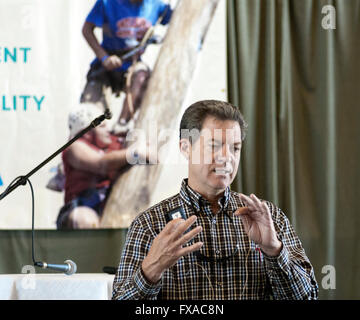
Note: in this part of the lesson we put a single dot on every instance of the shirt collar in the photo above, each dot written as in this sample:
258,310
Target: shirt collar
195,199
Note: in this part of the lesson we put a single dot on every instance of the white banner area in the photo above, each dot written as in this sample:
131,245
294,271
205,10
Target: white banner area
44,60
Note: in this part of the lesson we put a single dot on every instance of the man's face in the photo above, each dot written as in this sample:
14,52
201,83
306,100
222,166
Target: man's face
214,157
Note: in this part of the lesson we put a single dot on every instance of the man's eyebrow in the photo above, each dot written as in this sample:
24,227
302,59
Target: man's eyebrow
220,141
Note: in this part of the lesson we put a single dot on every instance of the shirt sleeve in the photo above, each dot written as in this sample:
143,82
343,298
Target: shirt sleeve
129,282
165,10
290,274
97,14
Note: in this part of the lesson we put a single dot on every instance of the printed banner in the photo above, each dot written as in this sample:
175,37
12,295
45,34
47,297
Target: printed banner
52,86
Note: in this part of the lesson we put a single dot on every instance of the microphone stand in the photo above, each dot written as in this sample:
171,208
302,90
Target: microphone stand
23,179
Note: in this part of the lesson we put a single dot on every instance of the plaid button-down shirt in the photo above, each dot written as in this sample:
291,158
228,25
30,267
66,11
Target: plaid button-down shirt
229,265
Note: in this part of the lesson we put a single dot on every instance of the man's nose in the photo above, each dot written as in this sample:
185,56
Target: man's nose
225,154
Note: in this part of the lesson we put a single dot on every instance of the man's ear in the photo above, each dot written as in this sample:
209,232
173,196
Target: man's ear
185,148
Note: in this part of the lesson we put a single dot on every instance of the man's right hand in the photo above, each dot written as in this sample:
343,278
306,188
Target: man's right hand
167,248
112,62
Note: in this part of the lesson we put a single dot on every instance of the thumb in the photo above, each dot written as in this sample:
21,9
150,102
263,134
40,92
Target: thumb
241,211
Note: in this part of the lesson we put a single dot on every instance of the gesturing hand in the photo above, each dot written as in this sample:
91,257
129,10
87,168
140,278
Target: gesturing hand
259,225
167,248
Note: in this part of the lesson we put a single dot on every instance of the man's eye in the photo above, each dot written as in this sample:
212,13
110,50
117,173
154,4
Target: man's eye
235,149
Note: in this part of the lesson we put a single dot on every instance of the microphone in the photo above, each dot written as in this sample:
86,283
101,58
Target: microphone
69,267
107,113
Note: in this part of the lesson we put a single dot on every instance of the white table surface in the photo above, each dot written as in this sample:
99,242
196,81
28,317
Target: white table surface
81,286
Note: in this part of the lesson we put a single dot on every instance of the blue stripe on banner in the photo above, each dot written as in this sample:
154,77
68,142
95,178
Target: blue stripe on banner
1,182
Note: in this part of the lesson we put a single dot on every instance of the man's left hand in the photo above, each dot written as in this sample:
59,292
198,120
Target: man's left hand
259,225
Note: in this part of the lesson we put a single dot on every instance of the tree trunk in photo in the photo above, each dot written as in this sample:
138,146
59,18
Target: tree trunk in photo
173,71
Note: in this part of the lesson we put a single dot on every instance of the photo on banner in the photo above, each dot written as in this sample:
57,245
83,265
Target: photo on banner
63,64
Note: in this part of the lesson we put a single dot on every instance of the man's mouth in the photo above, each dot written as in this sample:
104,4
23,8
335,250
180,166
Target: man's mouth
222,171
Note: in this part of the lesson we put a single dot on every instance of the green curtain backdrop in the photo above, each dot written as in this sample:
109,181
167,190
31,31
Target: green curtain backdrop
298,87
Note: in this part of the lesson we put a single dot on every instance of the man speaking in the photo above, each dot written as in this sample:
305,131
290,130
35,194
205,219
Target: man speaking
208,242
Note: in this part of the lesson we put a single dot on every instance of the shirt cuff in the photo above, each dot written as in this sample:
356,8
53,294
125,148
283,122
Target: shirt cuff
145,287
280,261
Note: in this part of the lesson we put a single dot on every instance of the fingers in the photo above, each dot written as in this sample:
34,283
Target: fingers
188,236
176,228
253,202
181,226
248,201
172,238
261,205
172,225
186,250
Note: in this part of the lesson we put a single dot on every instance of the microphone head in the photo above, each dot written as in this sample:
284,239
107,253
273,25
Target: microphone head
107,114
72,267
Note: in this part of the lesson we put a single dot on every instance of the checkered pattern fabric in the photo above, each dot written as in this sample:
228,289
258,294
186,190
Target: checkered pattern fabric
228,266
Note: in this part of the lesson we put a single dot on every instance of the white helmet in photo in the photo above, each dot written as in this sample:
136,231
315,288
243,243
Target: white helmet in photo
81,116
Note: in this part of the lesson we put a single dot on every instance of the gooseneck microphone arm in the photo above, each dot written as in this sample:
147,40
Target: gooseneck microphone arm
69,267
